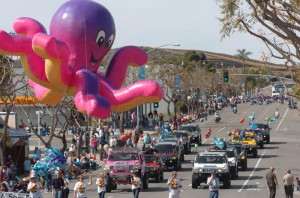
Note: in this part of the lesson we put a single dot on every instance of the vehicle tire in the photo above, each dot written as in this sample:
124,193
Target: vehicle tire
199,140
227,183
145,181
261,145
268,140
182,158
195,183
108,185
255,154
244,166
162,176
157,178
233,176
175,167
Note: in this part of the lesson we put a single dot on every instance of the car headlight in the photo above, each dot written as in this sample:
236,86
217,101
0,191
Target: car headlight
106,167
174,158
136,167
222,170
243,157
189,136
198,170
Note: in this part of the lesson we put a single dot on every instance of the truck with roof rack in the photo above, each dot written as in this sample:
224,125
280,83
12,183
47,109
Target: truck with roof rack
121,163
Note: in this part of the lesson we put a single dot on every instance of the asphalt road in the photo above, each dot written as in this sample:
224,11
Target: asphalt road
282,152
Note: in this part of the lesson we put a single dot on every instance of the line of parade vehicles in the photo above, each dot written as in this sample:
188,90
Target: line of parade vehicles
225,158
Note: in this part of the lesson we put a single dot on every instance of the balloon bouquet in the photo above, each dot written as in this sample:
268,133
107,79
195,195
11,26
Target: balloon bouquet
52,161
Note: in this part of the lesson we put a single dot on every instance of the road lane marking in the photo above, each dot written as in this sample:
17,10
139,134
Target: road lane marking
282,119
221,130
253,171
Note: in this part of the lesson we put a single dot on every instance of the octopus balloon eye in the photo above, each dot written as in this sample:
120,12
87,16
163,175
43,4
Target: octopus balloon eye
100,38
110,41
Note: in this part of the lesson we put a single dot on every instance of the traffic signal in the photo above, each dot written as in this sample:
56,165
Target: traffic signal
225,75
156,105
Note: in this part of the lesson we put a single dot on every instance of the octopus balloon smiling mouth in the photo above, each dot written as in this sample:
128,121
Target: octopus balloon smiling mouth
48,60
94,62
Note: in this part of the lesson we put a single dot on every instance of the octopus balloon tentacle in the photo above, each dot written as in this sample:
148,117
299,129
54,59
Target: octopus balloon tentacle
66,61
118,65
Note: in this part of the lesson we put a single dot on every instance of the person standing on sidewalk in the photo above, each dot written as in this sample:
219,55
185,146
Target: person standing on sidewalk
174,184
272,182
57,185
288,181
213,183
136,185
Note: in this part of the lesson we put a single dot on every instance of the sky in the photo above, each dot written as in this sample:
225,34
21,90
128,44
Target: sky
192,23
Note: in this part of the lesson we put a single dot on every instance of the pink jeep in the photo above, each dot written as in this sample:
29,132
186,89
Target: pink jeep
121,163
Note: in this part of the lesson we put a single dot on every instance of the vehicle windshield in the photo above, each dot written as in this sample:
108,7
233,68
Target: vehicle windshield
230,153
150,158
211,159
123,156
165,148
238,149
177,135
189,128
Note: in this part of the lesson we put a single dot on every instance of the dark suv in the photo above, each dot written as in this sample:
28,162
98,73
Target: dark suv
183,137
194,133
242,154
265,130
170,154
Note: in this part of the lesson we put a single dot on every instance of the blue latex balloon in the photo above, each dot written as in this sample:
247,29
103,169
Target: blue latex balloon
272,120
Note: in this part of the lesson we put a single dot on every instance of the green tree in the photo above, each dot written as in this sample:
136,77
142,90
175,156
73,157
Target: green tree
275,23
243,55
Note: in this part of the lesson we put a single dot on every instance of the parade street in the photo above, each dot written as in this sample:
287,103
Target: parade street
282,153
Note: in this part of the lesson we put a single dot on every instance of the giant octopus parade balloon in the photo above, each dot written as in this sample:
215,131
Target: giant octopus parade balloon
66,61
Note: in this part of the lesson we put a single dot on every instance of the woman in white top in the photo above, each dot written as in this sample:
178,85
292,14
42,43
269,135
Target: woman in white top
136,185
80,187
101,183
34,188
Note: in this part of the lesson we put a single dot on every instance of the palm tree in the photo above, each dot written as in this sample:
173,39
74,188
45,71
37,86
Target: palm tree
243,55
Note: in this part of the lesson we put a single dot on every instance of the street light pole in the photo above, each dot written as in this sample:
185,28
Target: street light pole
153,49
38,123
